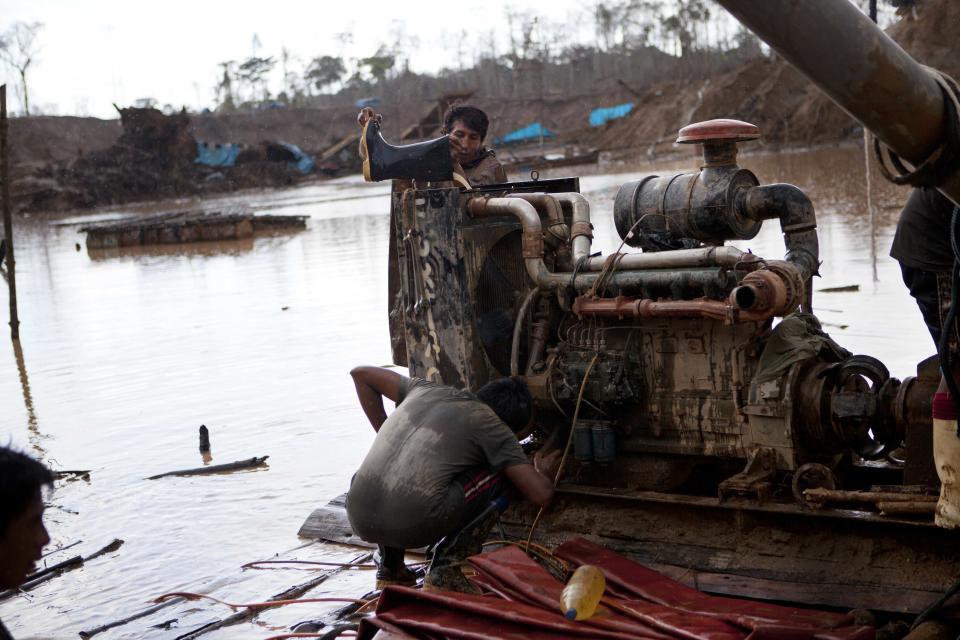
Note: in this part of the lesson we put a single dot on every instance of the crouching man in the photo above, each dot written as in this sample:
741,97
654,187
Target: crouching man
436,465
22,533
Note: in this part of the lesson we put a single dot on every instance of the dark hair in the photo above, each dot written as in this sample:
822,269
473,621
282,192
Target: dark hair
471,116
21,478
510,399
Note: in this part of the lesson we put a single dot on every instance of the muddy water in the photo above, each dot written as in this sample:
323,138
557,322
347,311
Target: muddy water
126,353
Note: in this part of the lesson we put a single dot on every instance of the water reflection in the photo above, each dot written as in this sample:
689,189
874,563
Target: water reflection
192,249
36,438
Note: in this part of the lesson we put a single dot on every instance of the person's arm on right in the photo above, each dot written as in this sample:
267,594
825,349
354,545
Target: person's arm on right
373,384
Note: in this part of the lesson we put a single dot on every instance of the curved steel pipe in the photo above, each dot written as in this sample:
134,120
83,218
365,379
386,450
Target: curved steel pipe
557,226
798,221
517,330
581,231
717,278
860,68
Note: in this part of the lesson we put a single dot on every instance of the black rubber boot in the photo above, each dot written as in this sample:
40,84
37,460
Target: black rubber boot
445,572
391,569
428,161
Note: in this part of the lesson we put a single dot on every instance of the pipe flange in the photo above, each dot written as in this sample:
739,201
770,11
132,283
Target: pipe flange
793,282
581,228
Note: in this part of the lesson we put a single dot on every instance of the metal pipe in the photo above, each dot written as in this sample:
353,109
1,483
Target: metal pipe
860,68
581,232
517,329
715,278
557,226
798,221
621,307
725,256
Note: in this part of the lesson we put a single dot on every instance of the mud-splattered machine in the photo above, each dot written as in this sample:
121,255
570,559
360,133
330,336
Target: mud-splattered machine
707,436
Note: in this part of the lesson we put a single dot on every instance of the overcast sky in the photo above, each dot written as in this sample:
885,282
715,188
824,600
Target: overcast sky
97,52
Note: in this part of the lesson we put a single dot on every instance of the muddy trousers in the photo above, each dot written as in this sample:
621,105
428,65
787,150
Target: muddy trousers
485,496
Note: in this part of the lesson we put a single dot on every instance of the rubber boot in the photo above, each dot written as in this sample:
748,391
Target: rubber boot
427,161
445,573
391,569
946,457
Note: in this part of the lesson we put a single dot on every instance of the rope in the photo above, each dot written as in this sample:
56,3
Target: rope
611,266
560,566
251,605
566,449
932,171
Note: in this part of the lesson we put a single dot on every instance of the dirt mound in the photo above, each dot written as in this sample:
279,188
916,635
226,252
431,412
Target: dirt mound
929,34
152,158
774,96
41,139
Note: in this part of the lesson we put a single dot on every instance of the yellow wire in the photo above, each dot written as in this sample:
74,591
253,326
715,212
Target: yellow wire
566,449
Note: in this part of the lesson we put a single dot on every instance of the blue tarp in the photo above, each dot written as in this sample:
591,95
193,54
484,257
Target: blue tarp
217,155
303,162
601,116
530,132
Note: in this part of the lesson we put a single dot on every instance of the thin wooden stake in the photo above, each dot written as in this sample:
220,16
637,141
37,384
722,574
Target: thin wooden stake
7,220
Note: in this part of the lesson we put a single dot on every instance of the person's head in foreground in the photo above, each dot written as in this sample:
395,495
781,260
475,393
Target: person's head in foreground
467,128
510,399
22,534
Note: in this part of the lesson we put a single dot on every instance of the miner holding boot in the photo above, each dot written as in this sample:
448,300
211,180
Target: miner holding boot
440,470
458,156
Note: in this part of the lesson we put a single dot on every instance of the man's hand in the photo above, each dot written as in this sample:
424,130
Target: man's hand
547,463
368,114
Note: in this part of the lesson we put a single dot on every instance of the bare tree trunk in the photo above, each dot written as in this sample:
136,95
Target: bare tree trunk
26,99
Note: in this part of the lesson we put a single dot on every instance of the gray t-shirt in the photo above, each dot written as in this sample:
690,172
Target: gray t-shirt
405,494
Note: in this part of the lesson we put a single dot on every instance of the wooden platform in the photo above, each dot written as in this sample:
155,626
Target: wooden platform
780,552
184,227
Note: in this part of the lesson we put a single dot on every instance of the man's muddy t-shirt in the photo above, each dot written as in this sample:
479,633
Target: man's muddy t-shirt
405,494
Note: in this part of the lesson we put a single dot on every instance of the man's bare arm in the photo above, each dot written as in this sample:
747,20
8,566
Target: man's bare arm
373,384
535,481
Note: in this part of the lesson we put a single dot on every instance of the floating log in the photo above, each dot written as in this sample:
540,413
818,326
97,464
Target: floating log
71,473
290,594
175,228
60,568
136,616
841,289
239,465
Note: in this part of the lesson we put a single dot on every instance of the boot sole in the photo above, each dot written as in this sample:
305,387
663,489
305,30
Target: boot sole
386,583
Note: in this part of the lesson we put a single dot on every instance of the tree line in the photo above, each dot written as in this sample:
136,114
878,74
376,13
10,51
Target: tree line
633,44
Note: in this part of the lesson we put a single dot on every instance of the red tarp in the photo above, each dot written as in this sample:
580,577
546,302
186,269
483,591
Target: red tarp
640,603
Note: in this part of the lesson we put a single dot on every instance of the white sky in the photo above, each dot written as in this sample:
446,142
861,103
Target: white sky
97,52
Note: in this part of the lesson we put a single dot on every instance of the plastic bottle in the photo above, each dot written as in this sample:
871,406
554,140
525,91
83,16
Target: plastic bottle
582,594
946,457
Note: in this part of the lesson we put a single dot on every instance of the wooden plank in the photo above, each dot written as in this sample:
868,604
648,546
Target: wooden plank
330,523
